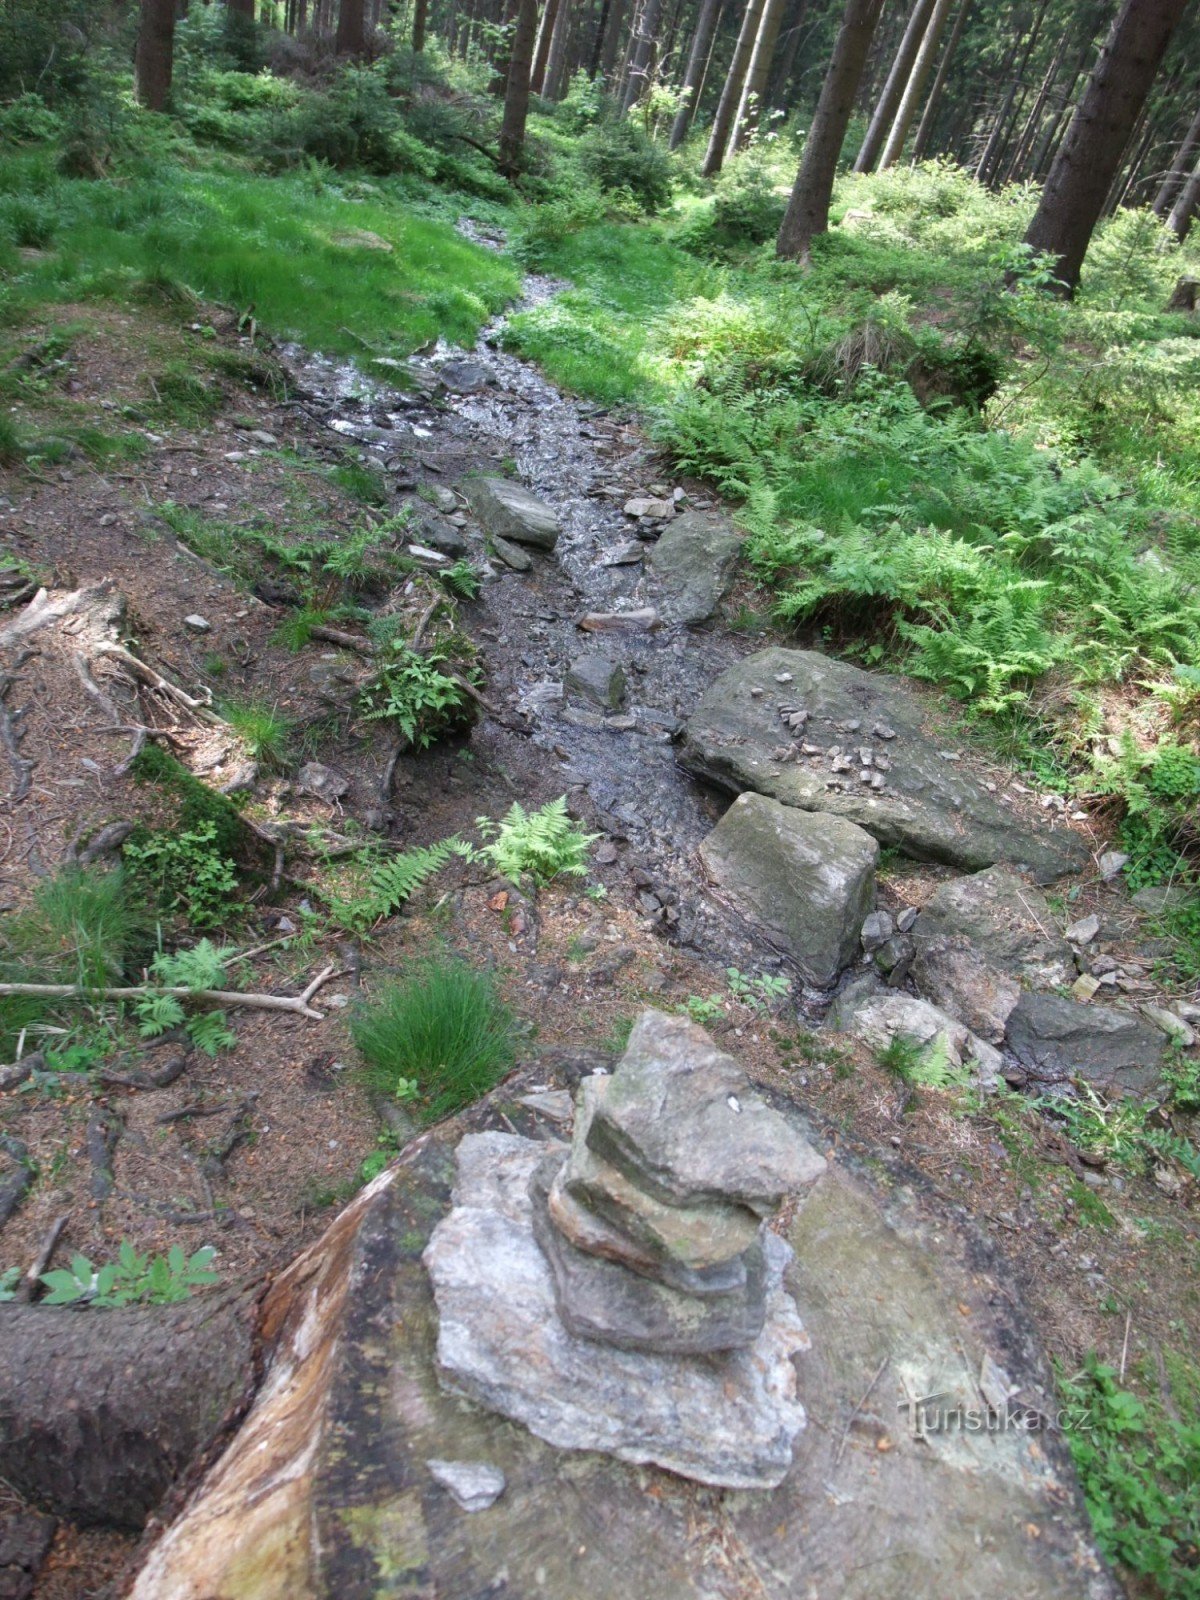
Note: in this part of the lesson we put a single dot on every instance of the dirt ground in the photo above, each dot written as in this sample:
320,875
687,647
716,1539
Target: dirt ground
1105,1261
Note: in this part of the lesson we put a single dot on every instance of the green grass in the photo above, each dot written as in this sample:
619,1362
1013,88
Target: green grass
279,245
264,729
442,1028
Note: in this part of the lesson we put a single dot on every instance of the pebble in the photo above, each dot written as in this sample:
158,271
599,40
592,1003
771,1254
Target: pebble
1110,863
1085,930
197,623
906,918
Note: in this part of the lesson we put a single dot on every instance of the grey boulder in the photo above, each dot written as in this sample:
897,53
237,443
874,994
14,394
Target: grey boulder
598,678
1056,1039
911,797
512,512
806,879
695,561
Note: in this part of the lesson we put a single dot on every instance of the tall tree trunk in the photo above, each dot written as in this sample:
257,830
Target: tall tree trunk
750,107
925,129
516,94
641,53
1092,149
1177,176
731,94
420,22
351,39
1185,208
807,214
915,87
885,112
155,55
241,8
1007,127
556,61
1048,144
785,60
597,50
1034,120
610,47
991,149
541,54
693,73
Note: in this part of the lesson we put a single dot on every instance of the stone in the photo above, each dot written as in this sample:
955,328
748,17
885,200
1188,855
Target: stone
955,975
474,1485
906,919
648,506
640,621
597,678
695,560
1111,863
465,377
434,528
806,879
1056,1039
877,929
931,809
325,783
894,958
680,1119
513,557
197,623
513,512
726,1419
602,1300
1176,1029
1083,931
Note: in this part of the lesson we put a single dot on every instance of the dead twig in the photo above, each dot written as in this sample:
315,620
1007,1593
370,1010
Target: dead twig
162,1078
865,1396
299,1004
29,1282
199,708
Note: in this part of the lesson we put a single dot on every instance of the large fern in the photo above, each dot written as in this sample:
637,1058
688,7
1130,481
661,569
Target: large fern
544,843
394,881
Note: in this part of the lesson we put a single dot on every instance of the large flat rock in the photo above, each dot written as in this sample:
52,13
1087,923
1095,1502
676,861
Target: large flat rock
805,878
326,1492
752,726
1056,1039
509,511
694,560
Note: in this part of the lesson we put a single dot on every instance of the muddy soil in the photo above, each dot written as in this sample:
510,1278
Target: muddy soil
1086,1247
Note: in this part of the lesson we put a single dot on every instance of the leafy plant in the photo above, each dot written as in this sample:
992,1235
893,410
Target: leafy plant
707,1010
761,991
186,872
443,1028
927,1066
545,843
393,881
198,969
409,692
131,1279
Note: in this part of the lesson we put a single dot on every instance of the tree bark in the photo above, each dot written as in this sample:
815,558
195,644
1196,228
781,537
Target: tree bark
556,61
351,38
610,47
641,53
731,94
1176,178
420,22
241,8
1090,153
789,48
155,54
915,87
925,129
750,107
541,54
807,214
516,94
1184,209
100,1411
693,73
885,112
1034,120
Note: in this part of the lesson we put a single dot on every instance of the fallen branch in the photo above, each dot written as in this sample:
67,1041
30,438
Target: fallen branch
9,737
218,997
28,1285
104,1131
163,1078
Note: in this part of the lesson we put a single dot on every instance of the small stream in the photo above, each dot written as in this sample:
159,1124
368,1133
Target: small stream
585,464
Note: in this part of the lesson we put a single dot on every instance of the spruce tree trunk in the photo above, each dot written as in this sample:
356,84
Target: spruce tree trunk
693,73
1091,152
915,87
808,210
100,1411
516,94
1034,120
750,107
610,47
731,94
155,55
241,8
351,38
556,61
420,21
641,53
928,117
1176,178
1185,208
885,112
785,60
541,53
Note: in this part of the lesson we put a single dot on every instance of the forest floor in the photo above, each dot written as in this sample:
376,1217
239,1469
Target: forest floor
251,1151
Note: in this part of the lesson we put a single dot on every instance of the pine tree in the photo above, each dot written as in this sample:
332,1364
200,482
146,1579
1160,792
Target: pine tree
154,58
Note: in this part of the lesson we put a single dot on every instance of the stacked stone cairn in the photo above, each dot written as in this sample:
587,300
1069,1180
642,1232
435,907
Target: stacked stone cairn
653,1225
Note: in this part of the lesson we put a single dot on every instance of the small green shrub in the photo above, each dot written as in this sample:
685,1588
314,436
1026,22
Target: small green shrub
409,692
264,729
545,843
131,1279
185,872
619,156
443,1027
